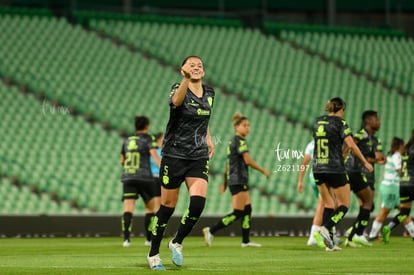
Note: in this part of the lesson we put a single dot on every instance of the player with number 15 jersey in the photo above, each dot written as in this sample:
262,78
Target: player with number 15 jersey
329,135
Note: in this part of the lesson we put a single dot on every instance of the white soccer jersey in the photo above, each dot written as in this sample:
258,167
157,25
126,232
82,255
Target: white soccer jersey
310,148
391,175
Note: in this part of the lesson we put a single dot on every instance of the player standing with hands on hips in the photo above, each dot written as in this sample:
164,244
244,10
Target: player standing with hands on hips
185,156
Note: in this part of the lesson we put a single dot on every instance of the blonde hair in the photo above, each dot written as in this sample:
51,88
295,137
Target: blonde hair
237,118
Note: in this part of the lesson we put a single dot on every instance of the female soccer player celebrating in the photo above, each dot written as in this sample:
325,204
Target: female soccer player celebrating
185,155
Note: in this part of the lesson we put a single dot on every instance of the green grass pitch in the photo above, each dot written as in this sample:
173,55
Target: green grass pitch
278,255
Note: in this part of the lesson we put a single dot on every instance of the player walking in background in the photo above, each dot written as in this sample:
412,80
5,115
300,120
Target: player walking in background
330,132
185,156
390,185
137,178
406,193
363,182
318,216
236,178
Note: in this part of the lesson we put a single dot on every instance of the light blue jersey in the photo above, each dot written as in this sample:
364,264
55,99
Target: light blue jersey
155,170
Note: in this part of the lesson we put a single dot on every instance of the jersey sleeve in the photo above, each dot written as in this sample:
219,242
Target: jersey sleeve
242,147
378,145
154,144
397,161
172,92
345,130
359,135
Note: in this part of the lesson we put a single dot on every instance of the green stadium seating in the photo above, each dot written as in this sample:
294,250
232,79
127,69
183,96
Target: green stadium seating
384,58
279,87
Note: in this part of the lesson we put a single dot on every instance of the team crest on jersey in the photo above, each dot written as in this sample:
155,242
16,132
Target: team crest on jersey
210,101
321,131
132,145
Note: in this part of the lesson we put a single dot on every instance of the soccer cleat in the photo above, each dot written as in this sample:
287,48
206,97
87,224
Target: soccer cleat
155,262
386,232
319,240
250,244
147,243
348,232
177,253
349,243
361,240
323,238
126,243
208,237
335,248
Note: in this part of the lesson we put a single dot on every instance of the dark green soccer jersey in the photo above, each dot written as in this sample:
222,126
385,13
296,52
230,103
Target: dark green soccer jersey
237,170
368,145
329,133
185,136
407,170
136,150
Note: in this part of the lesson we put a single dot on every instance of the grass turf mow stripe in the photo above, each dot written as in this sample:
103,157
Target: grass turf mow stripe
278,255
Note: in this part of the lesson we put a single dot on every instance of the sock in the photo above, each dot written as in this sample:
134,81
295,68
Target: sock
126,224
190,218
159,224
336,217
404,212
226,220
376,227
147,225
245,223
327,213
362,223
314,229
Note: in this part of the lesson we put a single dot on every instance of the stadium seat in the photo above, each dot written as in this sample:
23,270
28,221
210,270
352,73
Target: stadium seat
96,77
